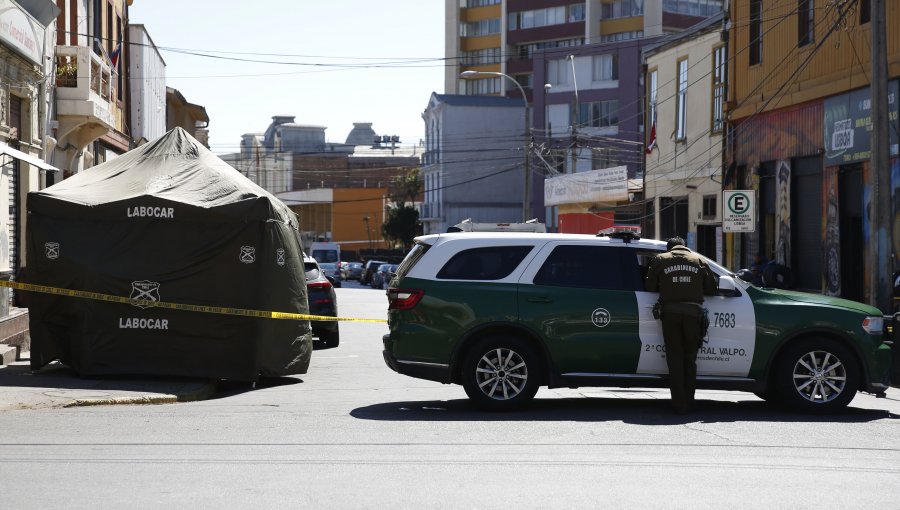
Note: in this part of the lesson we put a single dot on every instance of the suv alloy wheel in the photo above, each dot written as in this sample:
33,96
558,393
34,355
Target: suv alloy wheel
817,375
501,373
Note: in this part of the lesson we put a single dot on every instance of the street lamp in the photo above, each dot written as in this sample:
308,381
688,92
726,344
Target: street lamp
526,203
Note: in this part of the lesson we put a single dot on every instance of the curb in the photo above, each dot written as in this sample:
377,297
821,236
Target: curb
203,393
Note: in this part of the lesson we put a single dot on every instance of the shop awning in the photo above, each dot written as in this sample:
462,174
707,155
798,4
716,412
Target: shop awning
31,160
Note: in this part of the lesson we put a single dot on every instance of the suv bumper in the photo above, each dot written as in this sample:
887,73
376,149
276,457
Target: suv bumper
430,371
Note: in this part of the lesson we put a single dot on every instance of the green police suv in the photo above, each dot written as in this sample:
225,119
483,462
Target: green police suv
505,313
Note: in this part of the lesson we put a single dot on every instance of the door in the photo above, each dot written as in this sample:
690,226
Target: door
581,299
852,240
727,350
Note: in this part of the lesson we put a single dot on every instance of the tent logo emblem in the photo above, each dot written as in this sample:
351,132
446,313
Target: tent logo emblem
51,250
279,256
145,291
248,254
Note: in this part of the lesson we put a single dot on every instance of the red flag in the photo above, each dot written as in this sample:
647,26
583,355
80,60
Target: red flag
114,57
652,143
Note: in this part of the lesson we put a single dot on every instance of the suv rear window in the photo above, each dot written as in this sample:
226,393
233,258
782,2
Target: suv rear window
411,258
491,263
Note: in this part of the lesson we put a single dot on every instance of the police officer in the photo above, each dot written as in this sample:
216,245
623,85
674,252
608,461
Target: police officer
682,278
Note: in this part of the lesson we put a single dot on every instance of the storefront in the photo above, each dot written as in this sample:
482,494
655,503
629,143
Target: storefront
809,167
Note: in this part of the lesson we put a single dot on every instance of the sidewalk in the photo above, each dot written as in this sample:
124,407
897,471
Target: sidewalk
58,386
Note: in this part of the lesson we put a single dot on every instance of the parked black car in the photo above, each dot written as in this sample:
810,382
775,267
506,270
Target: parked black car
369,271
383,276
322,301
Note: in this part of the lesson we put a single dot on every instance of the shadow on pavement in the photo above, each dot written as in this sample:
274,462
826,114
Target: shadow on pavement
57,375
232,388
640,412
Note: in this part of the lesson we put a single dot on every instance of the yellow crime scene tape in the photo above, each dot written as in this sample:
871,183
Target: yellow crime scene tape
243,312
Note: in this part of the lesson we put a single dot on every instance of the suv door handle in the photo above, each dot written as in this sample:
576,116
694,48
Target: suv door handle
540,299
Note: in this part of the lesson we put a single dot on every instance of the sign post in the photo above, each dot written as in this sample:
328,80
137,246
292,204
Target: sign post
738,211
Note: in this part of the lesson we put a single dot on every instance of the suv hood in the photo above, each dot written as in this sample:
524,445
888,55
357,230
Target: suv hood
819,299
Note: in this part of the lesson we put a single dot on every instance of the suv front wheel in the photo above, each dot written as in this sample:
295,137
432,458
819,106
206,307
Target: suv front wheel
501,373
817,375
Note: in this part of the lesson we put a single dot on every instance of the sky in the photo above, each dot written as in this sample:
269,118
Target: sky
330,62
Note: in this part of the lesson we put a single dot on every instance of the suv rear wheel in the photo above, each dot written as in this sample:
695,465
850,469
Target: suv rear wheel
501,373
818,375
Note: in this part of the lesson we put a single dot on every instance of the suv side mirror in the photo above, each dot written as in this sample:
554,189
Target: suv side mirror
727,286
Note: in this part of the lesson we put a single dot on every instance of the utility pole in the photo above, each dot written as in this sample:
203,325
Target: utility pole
881,246
574,119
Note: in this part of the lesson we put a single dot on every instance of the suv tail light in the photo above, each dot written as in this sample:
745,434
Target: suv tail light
319,285
404,299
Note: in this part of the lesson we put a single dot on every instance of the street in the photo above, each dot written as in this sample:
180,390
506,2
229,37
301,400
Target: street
353,434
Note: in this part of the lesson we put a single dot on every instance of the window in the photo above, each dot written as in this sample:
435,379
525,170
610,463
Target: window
703,8
592,267
606,67
755,32
526,50
538,18
477,3
622,36
622,9
480,27
599,113
525,80
651,95
492,263
806,15
681,100
865,11
559,72
602,157
484,56
710,207
576,13
718,75
480,87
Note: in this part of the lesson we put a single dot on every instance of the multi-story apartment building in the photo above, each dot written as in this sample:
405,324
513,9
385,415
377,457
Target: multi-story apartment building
800,104
685,98
91,85
503,35
578,64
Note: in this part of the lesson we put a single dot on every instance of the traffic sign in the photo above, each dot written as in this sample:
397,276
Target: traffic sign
739,211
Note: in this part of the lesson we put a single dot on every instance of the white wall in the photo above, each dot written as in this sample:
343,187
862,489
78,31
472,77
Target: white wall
148,85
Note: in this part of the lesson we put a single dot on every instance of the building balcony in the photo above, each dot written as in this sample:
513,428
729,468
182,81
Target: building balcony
83,89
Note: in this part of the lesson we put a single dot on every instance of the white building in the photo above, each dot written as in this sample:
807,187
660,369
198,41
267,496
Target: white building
148,86
473,166
685,84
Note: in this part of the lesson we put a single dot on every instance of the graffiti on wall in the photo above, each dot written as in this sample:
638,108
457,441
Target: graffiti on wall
783,212
832,232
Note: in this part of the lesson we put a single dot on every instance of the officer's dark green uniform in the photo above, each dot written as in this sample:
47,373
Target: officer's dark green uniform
682,278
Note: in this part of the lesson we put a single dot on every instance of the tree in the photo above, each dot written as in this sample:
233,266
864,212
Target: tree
401,222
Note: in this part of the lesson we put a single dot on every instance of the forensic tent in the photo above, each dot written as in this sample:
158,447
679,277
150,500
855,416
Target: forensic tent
167,222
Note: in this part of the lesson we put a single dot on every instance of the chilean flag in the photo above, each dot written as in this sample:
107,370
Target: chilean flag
114,57
652,143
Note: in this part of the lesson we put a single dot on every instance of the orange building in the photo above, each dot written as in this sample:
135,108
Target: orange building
351,217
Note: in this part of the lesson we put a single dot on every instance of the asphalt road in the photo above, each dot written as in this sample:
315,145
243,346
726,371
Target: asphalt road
353,434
